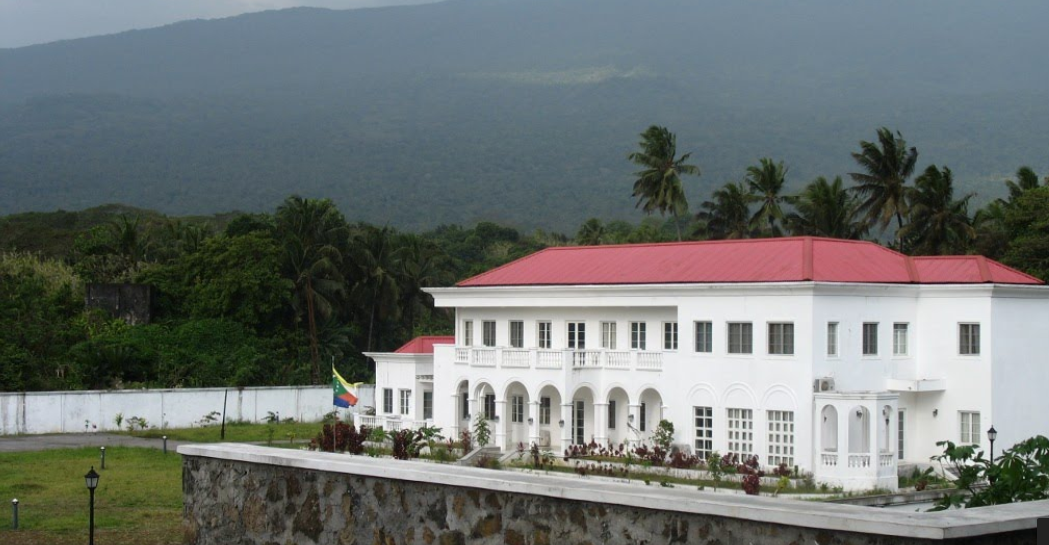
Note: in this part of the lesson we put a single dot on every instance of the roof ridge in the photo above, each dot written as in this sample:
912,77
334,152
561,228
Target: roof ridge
716,241
504,265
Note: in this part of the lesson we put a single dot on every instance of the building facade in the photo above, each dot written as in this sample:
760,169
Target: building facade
840,357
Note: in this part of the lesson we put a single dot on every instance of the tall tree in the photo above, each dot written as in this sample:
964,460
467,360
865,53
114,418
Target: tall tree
658,185
939,224
825,209
727,214
1025,179
311,234
766,181
882,184
590,233
376,260
421,266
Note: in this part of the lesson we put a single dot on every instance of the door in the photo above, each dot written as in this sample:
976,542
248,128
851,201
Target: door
580,420
577,342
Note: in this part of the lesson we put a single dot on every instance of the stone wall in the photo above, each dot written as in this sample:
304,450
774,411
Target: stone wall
242,494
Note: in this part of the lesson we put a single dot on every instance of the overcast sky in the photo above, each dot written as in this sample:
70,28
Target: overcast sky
26,22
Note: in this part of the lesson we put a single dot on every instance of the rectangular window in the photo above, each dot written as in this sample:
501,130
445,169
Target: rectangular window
545,341
488,333
781,438
608,335
832,338
544,411
468,333
704,425
406,399
781,339
899,339
704,337
637,335
517,409
969,339
427,405
870,339
489,406
741,432
899,434
669,335
611,414
577,335
971,429
387,401
740,338
516,334
465,406
643,413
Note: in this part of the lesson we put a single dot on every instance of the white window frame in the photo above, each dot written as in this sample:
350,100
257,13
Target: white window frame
516,334
611,414
517,409
544,334
387,400
544,411
968,343
744,343
740,432
783,343
638,335
488,403
575,331
703,430
468,332
866,345
405,405
901,419
832,339
488,333
901,342
704,337
670,336
970,429
427,404
780,427
608,335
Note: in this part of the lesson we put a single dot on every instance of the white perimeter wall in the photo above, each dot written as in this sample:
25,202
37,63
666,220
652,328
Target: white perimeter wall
96,410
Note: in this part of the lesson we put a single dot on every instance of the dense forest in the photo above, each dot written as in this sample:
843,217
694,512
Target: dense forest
274,298
517,112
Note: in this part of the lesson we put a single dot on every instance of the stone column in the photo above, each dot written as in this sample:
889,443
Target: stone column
457,416
566,429
502,420
533,423
601,423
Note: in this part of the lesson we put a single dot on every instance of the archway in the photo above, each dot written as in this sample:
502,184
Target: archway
859,430
516,417
650,412
829,429
550,418
618,409
582,424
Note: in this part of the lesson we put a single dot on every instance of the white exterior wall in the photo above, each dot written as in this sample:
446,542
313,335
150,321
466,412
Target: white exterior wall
399,372
930,384
68,412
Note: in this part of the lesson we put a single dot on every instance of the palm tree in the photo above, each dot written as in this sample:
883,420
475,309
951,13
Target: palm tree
658,185
939,225
766,181
311,232
727,214
825,209
886,166
1025,179
421,266
590,233
375,258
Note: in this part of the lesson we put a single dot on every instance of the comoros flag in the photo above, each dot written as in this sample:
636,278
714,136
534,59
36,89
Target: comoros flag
344,393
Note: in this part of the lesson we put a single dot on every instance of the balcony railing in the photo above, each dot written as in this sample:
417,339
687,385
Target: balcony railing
886,460
829,460
859,460
522,358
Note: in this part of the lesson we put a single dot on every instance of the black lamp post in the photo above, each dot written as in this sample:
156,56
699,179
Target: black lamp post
992,434
91,480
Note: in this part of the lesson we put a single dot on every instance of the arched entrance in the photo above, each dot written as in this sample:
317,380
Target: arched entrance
618,409
516,419
650,412
582,424
550,418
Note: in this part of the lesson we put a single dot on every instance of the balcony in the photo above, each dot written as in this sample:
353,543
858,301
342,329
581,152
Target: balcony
524,358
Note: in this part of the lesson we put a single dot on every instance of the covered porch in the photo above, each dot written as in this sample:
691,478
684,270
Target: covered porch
855,439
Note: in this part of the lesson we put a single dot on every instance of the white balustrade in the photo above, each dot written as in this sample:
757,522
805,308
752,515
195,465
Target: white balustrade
885,460
462,355
549,359
484,357
829,460
859,460
515,358
617,360
586,358
650,360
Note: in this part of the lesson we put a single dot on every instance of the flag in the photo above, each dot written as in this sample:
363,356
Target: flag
344,393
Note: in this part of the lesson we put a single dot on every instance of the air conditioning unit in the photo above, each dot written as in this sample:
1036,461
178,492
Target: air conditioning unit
823,385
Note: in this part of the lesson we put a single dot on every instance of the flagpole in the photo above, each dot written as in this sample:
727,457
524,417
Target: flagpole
336,423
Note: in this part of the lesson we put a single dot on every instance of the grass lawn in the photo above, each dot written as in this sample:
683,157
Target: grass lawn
138,500
239,432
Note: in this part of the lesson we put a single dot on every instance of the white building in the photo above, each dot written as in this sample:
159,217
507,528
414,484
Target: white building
840,357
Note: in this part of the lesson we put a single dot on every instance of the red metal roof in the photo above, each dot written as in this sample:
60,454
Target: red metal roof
789,259
423,345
